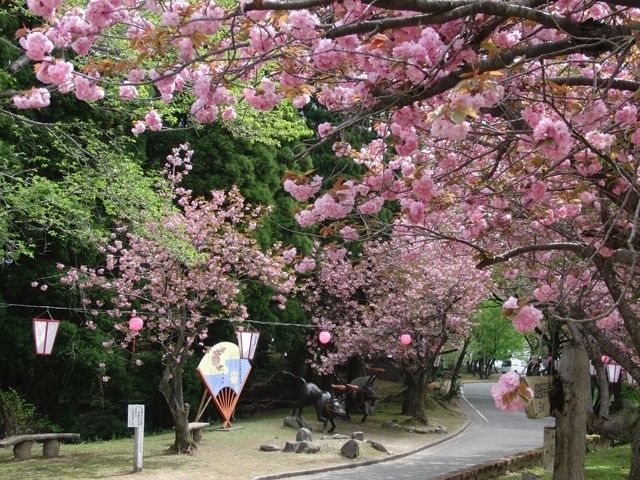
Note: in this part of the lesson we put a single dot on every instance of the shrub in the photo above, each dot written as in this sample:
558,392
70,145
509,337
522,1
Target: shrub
17,416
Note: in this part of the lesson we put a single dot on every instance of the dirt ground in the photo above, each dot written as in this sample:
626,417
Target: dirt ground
235,455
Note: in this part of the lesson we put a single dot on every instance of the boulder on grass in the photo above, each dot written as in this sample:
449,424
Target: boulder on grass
351,449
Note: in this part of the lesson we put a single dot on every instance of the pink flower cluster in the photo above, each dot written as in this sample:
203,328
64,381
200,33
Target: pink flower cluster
303,191
527,318
306,265
508,393
44,8
35,98
555,137
36,45
264,98
301,25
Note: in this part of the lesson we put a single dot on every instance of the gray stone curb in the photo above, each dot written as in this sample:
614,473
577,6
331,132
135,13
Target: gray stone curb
495,468
366,462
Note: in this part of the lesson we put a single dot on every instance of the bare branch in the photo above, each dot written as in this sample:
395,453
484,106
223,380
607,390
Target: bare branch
574,247
616,84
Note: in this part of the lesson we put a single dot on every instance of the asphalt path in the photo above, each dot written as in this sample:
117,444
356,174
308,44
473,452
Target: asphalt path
491,434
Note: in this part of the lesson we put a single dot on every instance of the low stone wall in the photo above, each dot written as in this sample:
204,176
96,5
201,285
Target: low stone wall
497,467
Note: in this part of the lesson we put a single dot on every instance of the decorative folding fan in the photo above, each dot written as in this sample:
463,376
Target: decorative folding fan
224,373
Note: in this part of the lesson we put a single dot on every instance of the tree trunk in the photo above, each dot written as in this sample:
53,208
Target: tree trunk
355,368
634,472
571,414
171,388
453,387
415,396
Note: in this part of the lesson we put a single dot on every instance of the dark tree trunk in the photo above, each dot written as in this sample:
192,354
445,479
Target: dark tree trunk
171,388
634,472
571,414
415,396
355,368
453,387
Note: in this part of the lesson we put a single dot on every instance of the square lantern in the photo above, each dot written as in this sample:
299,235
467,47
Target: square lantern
630,379
613,372
44,331
247,343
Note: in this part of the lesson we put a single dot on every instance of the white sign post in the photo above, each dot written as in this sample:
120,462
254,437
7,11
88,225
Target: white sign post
135,419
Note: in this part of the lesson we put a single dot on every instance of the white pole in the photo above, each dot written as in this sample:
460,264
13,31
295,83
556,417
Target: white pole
138,444
135,419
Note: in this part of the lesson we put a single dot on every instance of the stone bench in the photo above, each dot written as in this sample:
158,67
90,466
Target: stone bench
50,443
195,429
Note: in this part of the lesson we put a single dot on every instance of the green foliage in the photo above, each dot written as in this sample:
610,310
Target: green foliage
18,416
493,336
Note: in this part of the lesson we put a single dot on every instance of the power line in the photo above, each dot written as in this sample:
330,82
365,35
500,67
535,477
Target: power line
81,309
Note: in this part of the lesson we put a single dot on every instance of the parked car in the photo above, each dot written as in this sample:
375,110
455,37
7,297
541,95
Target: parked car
513,365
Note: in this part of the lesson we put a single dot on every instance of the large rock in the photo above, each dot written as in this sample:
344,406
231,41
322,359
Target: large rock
393,424
303,435
312,448
530,476
296,422
290,447
378,446
269,448
302,446
351,449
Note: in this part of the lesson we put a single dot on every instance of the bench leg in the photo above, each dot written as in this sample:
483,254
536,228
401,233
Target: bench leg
197,435
22,450
51,448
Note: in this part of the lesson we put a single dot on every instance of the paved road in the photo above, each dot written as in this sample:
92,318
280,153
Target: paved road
492,434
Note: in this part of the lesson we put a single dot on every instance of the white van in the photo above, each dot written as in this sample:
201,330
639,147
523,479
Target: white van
513,365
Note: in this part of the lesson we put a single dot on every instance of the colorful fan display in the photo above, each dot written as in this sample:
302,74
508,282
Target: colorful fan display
224,373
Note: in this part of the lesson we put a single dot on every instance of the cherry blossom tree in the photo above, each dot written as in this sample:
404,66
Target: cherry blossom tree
401,286
185,273
507,126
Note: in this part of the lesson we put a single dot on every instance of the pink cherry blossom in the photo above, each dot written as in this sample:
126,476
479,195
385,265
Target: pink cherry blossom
37,46
306,265
35,98
153,121
527,318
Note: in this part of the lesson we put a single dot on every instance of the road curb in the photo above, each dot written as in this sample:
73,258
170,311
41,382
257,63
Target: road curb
365,463
495,468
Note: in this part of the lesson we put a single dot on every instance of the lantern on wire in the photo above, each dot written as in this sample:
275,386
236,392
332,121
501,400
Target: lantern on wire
613,372
247,342
324,337
135,325
405,339
44,333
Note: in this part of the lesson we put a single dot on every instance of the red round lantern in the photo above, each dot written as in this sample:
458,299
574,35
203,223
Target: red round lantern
405,339
324,337
135,324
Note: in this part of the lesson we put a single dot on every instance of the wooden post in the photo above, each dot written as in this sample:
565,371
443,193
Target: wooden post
571,415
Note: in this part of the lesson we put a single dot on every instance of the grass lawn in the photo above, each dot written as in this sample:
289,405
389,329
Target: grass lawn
608,464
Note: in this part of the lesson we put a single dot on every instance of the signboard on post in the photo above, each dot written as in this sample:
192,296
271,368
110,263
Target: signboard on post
135,419
540,405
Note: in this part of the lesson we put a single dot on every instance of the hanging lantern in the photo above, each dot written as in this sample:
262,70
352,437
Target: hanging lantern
324,337
44,332
613,372
405,339
247,342
630,379
135,324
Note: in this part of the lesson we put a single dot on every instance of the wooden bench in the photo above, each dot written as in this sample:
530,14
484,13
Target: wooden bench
195,429
51,443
